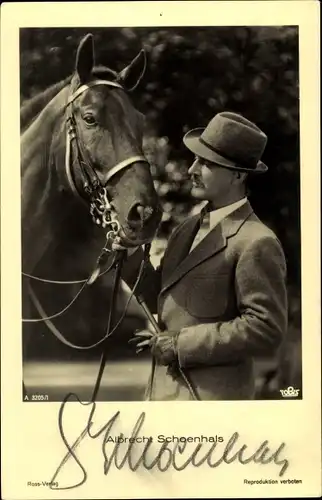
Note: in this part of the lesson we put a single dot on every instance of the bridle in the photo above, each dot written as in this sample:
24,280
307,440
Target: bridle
95,196
93,192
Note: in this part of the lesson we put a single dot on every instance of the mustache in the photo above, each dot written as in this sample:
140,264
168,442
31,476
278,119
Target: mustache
196,178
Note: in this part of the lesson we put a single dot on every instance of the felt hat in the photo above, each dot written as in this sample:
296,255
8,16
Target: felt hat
230,141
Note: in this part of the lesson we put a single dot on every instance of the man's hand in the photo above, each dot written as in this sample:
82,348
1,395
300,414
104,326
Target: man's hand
162,346
143,339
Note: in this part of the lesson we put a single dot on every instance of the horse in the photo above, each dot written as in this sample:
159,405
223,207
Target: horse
84,179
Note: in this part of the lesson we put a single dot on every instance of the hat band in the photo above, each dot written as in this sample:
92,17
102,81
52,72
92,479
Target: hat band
227,157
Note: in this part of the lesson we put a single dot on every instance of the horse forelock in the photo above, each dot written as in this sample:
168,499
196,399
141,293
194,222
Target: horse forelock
104,72
99,72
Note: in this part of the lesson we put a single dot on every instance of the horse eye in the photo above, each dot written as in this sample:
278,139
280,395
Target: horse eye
89,119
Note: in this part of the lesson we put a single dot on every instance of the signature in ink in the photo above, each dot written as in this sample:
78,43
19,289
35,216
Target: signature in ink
165,457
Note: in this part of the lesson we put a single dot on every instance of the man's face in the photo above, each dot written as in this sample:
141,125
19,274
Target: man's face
209,181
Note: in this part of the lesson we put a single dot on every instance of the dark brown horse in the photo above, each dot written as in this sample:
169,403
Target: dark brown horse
81,142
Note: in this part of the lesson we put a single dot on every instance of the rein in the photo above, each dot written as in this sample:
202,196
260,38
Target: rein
47,319
100,209
92,191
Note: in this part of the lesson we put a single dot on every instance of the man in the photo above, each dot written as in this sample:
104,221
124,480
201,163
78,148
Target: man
220,301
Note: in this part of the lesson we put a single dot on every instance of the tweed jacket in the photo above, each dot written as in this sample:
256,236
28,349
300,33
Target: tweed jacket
226,299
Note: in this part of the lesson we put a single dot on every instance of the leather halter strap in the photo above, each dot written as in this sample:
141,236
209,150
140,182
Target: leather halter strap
87,86
71,134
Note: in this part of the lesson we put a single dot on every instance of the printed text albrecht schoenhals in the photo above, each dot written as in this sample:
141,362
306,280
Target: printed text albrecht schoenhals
175,456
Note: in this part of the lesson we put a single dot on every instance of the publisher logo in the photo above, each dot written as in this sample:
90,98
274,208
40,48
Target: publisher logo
290,392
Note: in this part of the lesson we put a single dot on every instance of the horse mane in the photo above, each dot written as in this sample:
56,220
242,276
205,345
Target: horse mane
32,107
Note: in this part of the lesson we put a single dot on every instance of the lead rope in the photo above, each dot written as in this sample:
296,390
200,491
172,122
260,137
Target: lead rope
141,301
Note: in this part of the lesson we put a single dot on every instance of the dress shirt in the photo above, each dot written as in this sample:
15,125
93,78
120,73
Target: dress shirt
213,218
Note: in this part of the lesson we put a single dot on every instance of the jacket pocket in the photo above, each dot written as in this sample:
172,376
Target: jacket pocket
207,296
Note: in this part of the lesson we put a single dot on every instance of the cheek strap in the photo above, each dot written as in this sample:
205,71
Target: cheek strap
85,165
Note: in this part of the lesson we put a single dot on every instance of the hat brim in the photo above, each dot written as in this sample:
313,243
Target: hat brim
191,141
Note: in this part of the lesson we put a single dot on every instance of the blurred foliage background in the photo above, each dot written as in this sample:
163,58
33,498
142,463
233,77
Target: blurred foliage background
192,74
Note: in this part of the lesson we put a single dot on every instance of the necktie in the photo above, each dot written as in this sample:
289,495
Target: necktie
203,230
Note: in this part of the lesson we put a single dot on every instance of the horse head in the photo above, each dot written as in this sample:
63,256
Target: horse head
109,152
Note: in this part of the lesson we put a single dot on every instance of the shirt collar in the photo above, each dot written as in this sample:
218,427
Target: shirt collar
216,216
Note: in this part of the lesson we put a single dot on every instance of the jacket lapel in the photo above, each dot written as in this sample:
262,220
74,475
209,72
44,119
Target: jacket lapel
181,244
214,242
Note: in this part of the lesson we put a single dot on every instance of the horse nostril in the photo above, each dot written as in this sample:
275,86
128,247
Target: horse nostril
139,214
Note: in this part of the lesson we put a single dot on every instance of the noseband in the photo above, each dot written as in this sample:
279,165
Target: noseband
92,188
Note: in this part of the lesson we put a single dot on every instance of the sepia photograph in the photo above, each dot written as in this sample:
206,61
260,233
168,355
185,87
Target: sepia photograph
157,139
160,205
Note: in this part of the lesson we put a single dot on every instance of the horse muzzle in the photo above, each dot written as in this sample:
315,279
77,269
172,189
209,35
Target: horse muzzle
140,225
139,215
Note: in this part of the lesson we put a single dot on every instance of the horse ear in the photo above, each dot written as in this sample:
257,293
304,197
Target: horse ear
131,76
85,59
